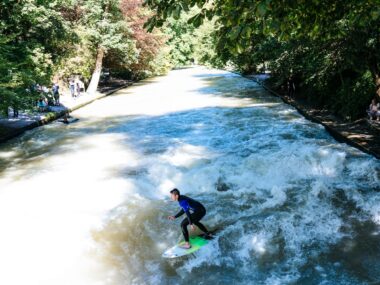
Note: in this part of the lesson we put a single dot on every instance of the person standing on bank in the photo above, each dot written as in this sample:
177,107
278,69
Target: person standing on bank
77,87
55,90
374,110
291,86
194,211
72,87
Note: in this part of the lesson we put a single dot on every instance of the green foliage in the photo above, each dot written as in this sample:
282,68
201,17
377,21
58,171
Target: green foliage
180,40
204,45
188,44
104,27
34,37
352,97
151,56
80,60
117,28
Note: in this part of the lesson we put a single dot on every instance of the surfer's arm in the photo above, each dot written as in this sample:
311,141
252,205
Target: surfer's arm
179,214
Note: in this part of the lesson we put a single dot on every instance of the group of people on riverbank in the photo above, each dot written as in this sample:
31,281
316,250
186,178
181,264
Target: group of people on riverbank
48,97
374,110
51,97
76,87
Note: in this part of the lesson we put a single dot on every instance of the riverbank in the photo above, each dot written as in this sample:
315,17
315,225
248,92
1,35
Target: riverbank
362,134
12,127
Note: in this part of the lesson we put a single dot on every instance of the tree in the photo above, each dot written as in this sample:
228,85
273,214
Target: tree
105,30
27,54
149,46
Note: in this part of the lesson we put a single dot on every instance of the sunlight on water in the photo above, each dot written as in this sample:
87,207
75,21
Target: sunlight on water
87,203
49,208
177,92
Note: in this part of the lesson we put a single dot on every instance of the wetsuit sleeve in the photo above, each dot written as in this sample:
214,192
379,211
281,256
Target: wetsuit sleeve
180,213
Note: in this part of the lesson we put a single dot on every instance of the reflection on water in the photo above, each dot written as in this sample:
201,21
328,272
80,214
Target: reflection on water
87,203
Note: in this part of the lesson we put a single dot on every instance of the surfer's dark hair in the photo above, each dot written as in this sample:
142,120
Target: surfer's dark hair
175,191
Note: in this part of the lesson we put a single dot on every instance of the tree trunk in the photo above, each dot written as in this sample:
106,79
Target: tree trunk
96,74
377,82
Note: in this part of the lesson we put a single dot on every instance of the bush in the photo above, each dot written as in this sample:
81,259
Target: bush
354,96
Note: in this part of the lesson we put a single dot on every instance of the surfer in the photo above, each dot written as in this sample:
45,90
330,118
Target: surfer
198,211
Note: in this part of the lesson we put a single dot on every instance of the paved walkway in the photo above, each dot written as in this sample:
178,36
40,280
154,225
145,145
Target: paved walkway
12,127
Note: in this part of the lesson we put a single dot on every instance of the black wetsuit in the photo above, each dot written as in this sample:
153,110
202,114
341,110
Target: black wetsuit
198,211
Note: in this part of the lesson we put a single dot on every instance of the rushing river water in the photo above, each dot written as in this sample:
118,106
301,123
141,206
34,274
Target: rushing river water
87,203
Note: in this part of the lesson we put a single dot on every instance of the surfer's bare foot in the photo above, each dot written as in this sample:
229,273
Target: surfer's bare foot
186,245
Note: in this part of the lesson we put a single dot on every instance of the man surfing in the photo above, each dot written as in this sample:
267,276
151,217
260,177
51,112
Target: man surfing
198,211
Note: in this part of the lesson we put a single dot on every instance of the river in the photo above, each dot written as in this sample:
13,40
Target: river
86,203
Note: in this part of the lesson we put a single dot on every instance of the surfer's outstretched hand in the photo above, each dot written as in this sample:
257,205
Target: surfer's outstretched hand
172,218
192,227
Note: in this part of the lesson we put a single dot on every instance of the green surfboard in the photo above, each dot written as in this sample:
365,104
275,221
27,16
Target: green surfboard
176,251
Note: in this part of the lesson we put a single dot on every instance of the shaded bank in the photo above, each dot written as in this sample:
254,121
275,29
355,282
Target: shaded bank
360,133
